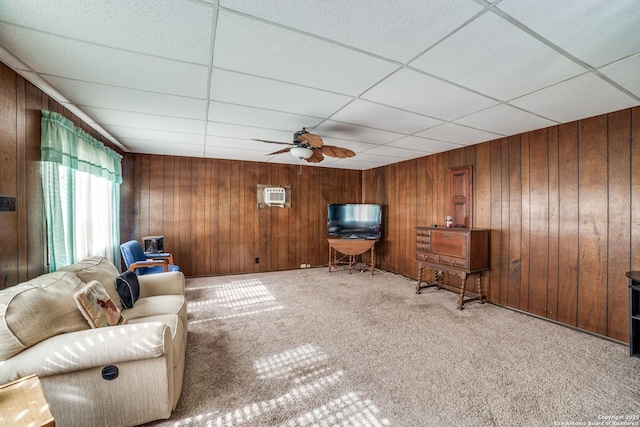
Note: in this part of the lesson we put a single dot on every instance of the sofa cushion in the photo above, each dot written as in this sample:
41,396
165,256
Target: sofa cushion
38,309
96,306
128,288
97,268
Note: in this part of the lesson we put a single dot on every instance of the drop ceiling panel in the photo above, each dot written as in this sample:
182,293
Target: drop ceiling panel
597,32
77,60
584,96
243,89
506,120
242,43
248,132
87,94
626,73
414,91
341,130
395,152
374,115
151,136
392,29
243,144
145,121
423,144
258,117
177,30
184,149
506,61
458,134
370,158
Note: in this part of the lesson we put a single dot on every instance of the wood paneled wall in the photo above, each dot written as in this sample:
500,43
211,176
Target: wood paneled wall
22,232
562,206
561,203
207,211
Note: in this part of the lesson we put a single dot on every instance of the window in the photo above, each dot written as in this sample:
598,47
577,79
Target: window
81,182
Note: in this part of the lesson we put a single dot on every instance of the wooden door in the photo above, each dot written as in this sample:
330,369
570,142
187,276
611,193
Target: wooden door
460,196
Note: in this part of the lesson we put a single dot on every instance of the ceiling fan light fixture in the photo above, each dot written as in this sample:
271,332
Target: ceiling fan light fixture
301,152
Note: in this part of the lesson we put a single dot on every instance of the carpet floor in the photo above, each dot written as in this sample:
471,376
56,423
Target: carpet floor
312,348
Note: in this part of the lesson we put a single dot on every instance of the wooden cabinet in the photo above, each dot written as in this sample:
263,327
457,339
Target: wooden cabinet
460,251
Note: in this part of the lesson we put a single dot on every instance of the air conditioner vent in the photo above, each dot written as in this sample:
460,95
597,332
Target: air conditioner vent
274,196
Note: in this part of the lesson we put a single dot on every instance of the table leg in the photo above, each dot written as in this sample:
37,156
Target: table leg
329,258
373,259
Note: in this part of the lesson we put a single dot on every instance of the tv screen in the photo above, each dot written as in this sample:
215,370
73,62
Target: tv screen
355,221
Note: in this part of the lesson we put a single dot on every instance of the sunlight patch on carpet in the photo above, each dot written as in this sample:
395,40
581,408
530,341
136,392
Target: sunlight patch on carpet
234,299
302,363
349,410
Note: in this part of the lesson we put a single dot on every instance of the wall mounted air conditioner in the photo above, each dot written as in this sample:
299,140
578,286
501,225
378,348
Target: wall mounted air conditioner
274,196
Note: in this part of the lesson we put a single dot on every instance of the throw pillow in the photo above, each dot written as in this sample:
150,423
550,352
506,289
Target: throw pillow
96,306
128,288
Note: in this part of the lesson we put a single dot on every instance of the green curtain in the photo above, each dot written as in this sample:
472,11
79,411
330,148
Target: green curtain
71,158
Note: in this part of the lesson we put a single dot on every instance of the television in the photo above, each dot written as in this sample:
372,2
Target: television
153,244
354,221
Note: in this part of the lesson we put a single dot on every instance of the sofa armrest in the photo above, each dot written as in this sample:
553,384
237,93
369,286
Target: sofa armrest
171,283
76,351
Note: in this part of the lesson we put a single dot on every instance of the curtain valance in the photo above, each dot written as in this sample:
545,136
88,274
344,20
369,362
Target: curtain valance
65,144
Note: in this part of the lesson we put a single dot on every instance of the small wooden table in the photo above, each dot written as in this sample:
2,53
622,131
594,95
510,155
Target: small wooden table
22,403
350,248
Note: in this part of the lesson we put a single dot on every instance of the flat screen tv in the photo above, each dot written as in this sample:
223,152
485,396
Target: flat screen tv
354,221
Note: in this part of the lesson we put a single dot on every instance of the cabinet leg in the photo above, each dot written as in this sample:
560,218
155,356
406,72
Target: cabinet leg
463,282
420,268
330,259
479,288
438,277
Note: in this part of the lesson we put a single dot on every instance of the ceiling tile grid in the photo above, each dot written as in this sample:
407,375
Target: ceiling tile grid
389,80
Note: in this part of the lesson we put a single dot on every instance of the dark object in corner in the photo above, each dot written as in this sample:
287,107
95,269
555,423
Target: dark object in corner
7,204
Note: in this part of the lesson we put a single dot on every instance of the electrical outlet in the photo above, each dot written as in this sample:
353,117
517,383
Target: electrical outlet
7,204
257,260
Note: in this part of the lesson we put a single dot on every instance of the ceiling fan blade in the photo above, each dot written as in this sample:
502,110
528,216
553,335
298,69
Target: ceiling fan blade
333,151
317,157
284,150
272,142
311,139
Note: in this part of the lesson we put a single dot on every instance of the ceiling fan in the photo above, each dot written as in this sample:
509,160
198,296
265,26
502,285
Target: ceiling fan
309,147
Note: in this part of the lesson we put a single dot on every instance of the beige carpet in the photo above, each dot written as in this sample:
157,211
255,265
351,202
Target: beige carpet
308,347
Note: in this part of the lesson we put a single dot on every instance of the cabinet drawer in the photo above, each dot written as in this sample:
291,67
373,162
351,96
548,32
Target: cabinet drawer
454,262
423,239
423,232
423,247
427,257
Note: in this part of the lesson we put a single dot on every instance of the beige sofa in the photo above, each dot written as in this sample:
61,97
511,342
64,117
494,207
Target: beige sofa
43,332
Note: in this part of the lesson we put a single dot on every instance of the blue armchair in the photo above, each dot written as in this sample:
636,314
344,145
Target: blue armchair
140,263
